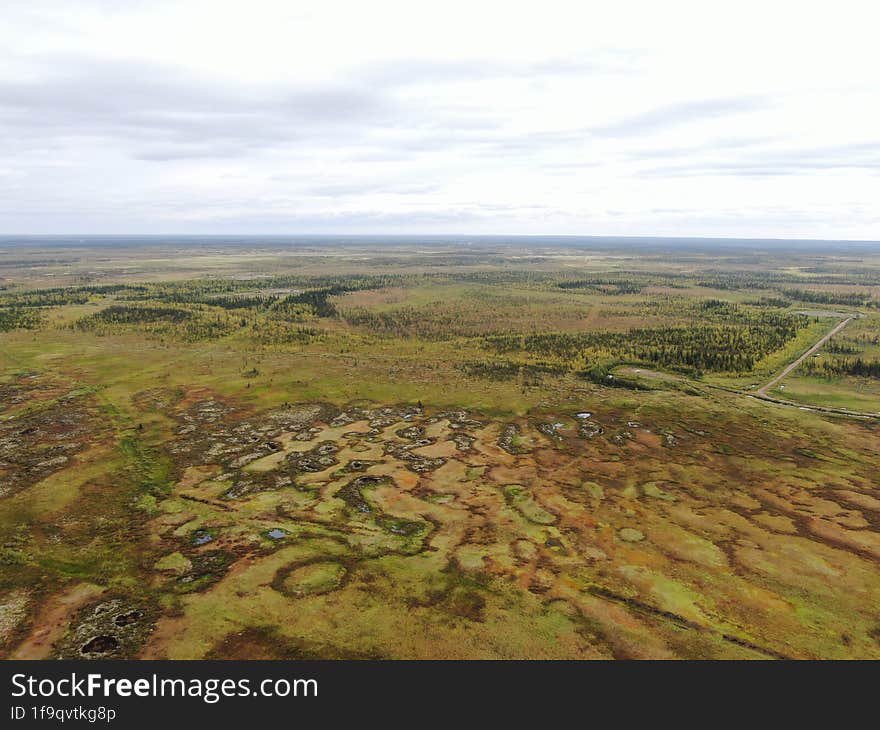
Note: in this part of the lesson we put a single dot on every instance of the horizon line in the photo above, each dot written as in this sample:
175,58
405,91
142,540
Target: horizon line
629,237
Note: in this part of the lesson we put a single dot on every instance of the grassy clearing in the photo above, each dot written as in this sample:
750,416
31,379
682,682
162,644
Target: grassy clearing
856,394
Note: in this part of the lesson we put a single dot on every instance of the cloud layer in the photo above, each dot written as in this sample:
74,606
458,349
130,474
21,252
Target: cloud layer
554,118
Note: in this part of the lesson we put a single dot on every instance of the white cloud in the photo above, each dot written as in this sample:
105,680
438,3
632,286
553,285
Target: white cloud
629,118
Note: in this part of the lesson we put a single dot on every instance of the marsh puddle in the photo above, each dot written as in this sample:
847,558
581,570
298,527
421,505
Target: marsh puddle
201,537
102,644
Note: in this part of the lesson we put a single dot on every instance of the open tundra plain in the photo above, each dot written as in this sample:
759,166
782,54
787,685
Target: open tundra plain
478,449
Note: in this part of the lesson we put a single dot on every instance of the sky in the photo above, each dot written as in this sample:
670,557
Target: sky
746,119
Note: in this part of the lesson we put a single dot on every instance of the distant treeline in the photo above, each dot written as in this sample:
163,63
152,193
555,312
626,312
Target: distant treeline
159,321
695,349
733,280
848,299
12,318
605,286
838,366
437,323
59,296
44,298
238,293
281,334
201,291
196,322
137,315
842,348
776,302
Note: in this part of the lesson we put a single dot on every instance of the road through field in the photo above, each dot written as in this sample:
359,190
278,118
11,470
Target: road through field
762,391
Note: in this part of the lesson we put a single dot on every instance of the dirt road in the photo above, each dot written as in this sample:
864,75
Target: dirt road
762,391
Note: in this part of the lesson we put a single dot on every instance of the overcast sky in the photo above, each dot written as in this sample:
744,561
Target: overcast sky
614,118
